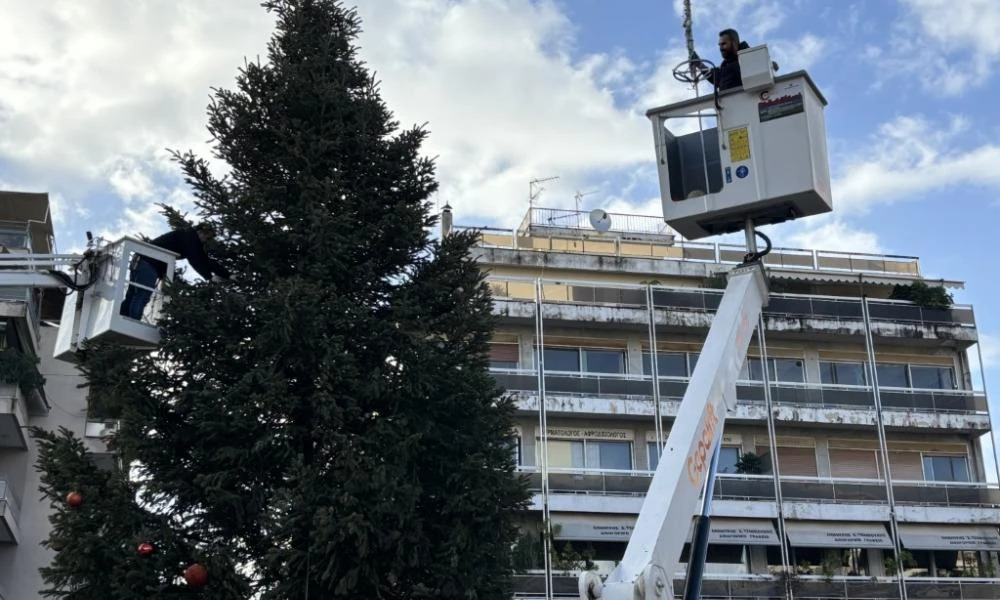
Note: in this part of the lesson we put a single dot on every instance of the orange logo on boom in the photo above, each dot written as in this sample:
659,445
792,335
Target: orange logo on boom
697,461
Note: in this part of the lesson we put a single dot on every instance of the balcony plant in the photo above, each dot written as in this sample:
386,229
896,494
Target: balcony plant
923,295
905,557
750,464
20,369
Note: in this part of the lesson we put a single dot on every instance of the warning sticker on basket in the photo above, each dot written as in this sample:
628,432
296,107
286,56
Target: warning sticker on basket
776,108
739,145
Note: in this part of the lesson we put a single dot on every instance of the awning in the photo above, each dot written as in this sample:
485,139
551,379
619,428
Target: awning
849,277
835,534
592,527
740,532
949,537
599,527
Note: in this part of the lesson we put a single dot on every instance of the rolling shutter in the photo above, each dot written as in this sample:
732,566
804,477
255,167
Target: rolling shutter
854,464
799,462
503,352
906,466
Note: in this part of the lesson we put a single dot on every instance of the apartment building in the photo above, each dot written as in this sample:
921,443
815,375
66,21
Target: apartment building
27,320
830,475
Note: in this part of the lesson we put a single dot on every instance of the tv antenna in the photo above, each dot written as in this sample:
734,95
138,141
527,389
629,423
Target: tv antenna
579,196
535,188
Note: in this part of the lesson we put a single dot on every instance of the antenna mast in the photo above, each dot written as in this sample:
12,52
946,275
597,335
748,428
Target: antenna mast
535,189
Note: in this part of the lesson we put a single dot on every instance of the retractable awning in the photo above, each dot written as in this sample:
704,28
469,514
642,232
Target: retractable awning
922,536
836,534
595,527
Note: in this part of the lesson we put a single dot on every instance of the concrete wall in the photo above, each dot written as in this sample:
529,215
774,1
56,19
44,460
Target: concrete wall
19,564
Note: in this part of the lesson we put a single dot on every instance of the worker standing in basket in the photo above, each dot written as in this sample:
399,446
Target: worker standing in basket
189,244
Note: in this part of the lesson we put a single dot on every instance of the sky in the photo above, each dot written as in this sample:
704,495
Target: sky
93,95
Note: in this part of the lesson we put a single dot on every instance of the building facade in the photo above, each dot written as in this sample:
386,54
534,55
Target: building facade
29,318
837,479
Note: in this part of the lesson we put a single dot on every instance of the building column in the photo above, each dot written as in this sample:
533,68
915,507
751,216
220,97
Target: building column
823,468
758,560
812,366
633,357
876,562
526,350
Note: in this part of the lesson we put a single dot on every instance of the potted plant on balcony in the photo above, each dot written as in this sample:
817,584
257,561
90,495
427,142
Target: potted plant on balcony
750,464
18,368
923,295
892,567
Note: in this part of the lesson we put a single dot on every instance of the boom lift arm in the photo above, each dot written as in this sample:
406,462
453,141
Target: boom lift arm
686,466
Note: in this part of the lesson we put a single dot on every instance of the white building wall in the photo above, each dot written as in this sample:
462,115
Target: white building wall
19,564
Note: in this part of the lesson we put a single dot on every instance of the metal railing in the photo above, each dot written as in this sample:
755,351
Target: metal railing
760,488
707,301
534,233
9,500
577,219
613,385
807,587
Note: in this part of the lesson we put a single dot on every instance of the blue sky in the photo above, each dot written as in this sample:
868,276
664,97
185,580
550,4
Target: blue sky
92,98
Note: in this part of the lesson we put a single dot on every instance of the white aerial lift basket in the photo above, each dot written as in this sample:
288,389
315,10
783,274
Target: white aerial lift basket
94,313
765,157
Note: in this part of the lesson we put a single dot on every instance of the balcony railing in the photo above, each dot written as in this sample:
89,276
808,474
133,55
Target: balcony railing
533,234
759,587
760,488
620,385
707,301
8,500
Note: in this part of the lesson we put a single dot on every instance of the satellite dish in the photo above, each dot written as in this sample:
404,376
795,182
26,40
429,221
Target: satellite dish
600,220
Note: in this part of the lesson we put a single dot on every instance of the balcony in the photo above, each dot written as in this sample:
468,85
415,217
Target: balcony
760,488
13,417
626,394
692,309
10,532
739,587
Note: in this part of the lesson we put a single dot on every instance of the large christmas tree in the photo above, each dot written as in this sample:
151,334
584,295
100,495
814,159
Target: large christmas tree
324,425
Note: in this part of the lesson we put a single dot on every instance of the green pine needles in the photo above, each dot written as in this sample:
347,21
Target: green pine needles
324,425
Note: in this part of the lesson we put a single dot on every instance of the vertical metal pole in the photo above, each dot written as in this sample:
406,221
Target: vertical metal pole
989,413
543,435
655,368
751,237
772,444
702,530
883,443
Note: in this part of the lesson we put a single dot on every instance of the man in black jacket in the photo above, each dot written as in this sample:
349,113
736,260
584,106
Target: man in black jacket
727,75
188,244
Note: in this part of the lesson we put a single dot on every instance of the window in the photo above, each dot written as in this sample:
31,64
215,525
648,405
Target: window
590,454
588,360
13,238
891,375
503,356
946,468
842,373
729,456
931,378
781,369
668,364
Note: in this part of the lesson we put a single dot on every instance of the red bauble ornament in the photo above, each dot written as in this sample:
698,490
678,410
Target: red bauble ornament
74,499
146,549
196,575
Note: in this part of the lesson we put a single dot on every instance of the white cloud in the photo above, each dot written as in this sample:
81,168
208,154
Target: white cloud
910,157
799,54
93,95
949,47
830,233
504,101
